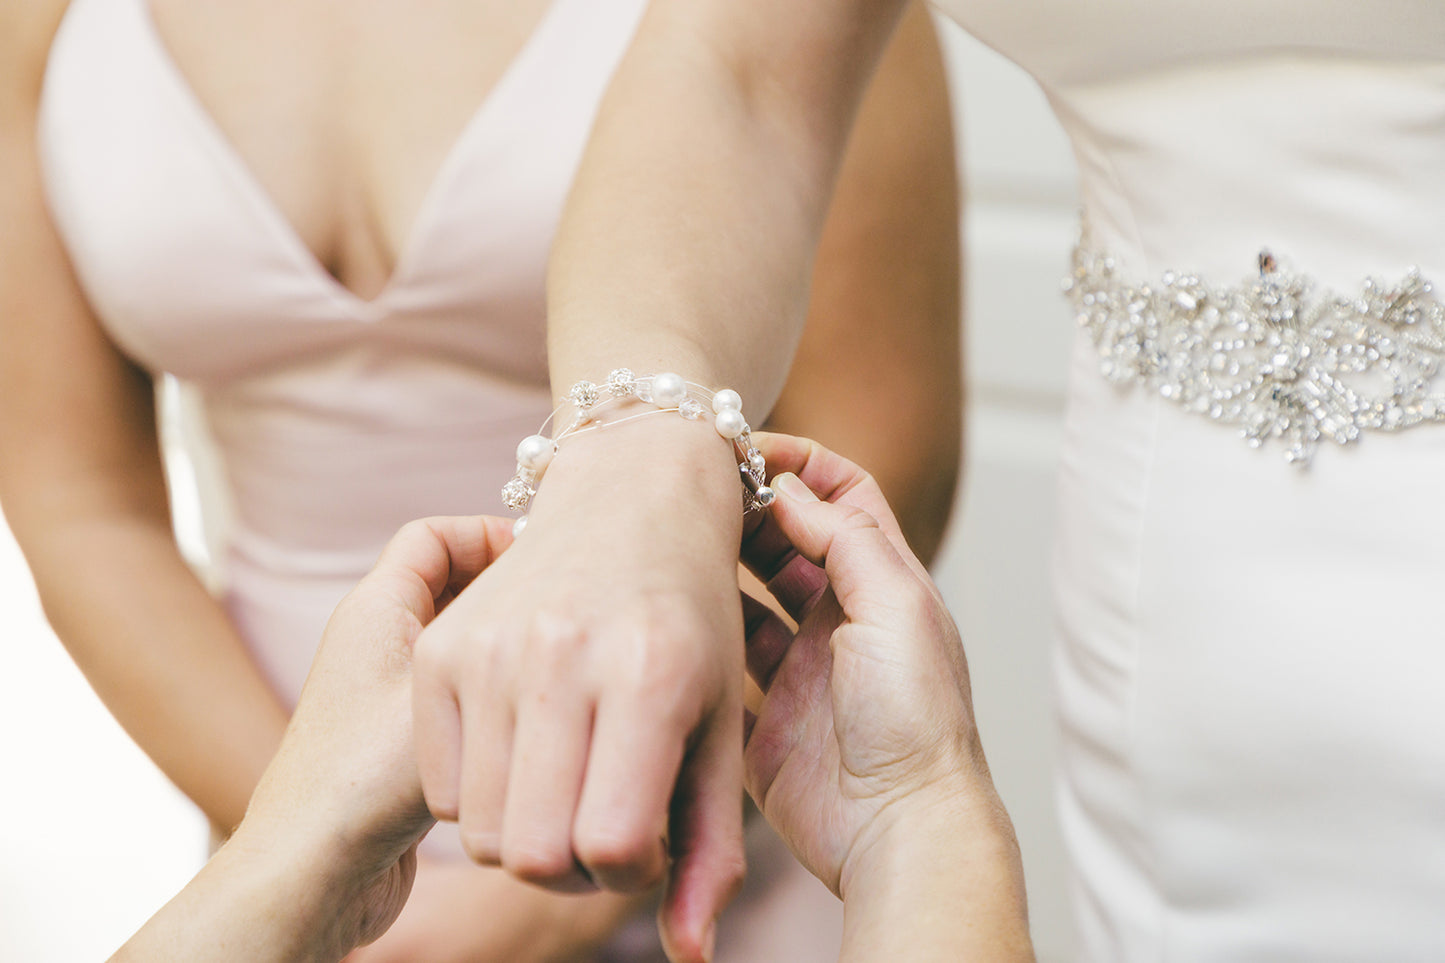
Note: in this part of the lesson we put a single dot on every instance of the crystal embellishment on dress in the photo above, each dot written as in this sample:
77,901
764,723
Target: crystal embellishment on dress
1271,356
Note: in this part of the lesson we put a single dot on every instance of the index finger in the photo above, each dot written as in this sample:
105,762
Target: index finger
871,577
766,550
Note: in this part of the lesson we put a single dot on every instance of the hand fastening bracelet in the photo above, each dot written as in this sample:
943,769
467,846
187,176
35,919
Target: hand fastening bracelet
668,392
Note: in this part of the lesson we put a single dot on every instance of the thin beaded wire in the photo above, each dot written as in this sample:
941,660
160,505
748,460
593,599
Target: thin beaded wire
671,394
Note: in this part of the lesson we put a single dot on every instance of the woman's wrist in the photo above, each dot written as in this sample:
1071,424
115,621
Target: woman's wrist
936,876
308,889
255,900
625,397
661,467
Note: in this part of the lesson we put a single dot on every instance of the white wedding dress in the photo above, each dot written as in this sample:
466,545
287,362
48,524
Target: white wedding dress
1251,676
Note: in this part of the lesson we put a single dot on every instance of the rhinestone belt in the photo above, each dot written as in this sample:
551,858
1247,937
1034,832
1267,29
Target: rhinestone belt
1273,356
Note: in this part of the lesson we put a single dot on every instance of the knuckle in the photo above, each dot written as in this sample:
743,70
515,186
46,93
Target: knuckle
671,689
537,860
856,519
439,802
553,641
414,528
861,540
616,849
652,672
554,630
432,650
482,847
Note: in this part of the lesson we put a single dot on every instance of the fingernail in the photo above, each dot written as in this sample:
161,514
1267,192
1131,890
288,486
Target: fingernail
792,486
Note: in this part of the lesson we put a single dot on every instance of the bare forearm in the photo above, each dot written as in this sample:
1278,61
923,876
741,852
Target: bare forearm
160,652
252,904
877,374
939,890
83,490
688,239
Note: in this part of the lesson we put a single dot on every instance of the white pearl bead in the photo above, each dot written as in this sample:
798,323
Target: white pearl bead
534,452
727,398
518,526
668,389
730,423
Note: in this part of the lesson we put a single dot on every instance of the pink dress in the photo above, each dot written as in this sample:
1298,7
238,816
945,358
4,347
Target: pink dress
339,419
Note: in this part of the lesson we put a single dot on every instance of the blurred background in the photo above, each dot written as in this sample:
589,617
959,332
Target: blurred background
93,839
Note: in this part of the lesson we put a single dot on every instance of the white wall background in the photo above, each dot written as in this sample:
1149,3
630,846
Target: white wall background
1020,223
93,839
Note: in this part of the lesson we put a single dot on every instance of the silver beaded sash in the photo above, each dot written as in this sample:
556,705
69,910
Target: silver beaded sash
1270,356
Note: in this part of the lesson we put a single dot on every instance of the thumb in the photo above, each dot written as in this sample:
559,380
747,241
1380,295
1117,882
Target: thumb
432,558
864,565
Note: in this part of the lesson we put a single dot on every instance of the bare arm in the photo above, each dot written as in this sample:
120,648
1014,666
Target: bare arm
686,246
689,236
876,376
83,490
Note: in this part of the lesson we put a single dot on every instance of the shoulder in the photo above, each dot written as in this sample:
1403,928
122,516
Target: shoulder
27,28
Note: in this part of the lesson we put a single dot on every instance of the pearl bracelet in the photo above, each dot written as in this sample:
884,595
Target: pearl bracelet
669,393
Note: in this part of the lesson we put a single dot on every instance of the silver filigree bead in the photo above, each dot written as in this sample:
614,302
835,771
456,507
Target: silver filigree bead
584,395
621,383
517,493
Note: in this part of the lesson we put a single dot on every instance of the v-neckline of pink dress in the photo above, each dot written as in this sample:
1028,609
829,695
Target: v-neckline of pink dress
285,233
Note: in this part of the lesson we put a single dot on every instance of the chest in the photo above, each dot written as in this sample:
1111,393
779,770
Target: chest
344,112
203,192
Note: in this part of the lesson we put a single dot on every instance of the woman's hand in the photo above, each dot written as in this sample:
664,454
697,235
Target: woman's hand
325,857
579,710
345,774
864,754
867,716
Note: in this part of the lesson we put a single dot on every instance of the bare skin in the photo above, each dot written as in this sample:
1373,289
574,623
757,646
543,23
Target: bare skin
346,152
864,755
81,480
688,240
